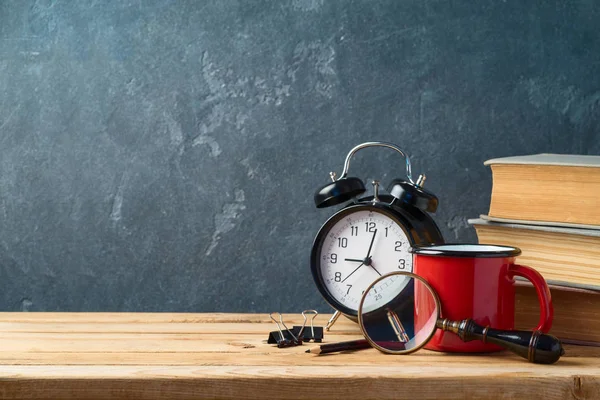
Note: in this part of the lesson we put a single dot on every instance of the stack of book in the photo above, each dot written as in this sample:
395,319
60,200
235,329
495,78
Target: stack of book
548,205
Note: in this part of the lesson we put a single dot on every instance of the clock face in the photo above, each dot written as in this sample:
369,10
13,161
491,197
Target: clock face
353,249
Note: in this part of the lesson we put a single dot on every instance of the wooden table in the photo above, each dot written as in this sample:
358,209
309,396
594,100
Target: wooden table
158,356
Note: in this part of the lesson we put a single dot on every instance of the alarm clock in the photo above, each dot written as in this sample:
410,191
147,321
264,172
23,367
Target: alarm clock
370,236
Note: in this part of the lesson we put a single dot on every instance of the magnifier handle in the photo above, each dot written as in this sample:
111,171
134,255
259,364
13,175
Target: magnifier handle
535,346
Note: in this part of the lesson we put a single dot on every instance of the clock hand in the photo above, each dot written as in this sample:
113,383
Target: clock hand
371,245
361,264
369,262
353,259
372,266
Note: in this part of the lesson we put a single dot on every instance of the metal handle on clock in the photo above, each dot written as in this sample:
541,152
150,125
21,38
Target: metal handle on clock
375,144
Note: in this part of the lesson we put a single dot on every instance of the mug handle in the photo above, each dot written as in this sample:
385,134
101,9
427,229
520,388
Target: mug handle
543,293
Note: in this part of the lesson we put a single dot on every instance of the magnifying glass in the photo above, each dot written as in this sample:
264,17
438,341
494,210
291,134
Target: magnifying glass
400,312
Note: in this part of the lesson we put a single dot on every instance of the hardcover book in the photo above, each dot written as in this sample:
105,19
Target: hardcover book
548,188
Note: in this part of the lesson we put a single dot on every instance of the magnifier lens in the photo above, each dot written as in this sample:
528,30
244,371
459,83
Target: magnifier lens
398,313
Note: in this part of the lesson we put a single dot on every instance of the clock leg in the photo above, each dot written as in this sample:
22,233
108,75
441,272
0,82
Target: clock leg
332,320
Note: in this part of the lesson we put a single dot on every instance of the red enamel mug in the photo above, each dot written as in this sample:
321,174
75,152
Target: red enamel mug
476,281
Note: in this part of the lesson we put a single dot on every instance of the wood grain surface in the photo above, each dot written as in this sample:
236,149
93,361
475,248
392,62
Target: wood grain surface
185,356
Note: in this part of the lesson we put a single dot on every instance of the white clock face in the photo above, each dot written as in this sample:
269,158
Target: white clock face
358,249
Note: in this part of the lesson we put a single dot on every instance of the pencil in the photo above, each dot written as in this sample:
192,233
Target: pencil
340,346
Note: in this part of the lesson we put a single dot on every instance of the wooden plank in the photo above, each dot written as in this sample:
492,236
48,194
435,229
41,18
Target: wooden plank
143,318
28,343
269,355
90,327
380,382
155,343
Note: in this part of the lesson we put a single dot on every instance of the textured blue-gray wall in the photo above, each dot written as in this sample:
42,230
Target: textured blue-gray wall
162,155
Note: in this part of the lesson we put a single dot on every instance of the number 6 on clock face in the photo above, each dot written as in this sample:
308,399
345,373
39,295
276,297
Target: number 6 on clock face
354,248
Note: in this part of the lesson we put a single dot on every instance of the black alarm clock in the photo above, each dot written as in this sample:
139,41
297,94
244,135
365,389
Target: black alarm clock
370,236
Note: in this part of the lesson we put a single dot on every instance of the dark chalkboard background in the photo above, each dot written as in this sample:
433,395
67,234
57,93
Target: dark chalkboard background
162,155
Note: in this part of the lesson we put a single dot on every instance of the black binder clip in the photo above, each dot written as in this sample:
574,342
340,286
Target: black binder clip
283,338
314,333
